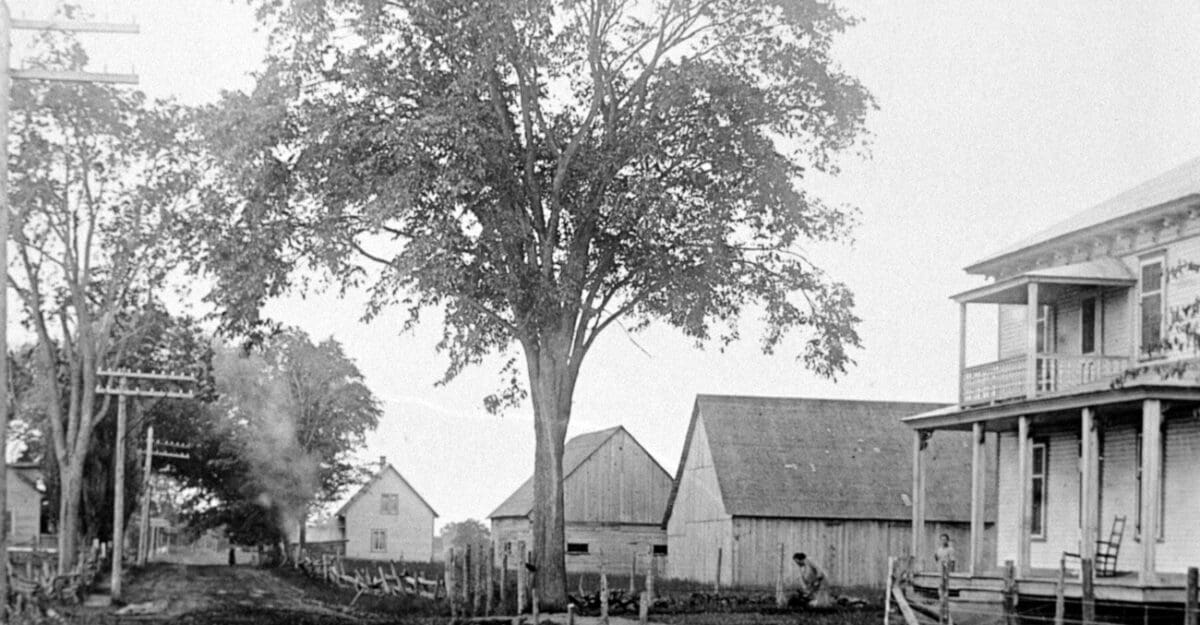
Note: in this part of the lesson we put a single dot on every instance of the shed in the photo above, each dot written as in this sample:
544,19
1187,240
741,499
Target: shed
614,494
765,476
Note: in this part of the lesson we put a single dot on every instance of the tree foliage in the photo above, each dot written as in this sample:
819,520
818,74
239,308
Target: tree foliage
539,170
279,439
97,177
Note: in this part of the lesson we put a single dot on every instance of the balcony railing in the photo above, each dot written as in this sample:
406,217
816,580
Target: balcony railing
1006,379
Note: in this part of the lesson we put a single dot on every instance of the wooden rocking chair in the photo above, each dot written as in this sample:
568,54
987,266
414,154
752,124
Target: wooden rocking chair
1107,550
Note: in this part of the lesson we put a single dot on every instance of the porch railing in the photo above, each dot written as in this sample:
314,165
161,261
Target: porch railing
1006,379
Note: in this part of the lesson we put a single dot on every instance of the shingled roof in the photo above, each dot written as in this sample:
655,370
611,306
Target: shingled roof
575,452
1178,183
790,457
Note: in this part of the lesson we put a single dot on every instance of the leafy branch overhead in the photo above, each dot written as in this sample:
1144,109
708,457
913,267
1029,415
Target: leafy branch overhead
541,169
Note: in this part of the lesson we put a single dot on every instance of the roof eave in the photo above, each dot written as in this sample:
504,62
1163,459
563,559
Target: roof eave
989,264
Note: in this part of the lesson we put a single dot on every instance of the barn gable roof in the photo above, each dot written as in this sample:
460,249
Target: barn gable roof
576,451
790,457
371,483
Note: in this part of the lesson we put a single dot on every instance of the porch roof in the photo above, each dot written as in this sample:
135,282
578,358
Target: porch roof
1003,416
1105,271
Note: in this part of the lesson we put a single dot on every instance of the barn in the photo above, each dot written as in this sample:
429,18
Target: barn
614,495
830,478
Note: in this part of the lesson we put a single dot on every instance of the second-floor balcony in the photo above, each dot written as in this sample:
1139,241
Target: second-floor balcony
1062,329
1053,373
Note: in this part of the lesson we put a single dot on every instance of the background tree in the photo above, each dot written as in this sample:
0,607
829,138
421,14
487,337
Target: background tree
279,440
96,176
463,534
538,170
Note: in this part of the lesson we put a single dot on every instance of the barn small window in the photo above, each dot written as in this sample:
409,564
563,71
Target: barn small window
577,547
659,550
508,547
389,503
378,540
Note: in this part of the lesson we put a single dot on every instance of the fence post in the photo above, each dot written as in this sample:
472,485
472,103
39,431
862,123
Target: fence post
491,571
450,594
633,572
1088,599
603,595
717,584
521,574
533,596
647,595
1060,601
944,595
887,592
1190,615
480,565
503,582
1010,604
779,602
466,580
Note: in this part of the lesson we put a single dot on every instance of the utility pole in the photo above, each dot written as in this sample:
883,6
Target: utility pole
123,393
7,74
160,449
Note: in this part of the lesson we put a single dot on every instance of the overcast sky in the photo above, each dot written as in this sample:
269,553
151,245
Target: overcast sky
996,119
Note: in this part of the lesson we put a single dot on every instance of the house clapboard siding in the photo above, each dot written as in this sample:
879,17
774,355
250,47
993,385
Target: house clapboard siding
765,476
614,494
385,519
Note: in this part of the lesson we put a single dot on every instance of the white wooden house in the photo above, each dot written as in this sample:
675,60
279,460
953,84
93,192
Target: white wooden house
830,478
1094,400
614,494
386,519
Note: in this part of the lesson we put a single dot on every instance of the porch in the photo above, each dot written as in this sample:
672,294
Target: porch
988,586
1068,465
1063,329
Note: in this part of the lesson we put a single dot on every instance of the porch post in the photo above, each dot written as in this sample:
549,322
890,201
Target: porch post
1089,483
918,500
1024,458
978,495
1031,313
962,351
1151,485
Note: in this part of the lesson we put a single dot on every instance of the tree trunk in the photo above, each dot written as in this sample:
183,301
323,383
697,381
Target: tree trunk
552,384
71,490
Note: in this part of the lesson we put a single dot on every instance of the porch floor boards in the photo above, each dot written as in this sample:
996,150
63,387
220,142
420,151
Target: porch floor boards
1124,587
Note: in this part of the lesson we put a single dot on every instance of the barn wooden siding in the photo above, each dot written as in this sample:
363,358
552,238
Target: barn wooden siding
852,552
1179,546
698,523
612,545
618,483
25,503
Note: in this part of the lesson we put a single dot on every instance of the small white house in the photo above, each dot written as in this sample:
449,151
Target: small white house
387,519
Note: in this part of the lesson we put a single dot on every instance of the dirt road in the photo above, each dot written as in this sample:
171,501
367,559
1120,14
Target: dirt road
189,594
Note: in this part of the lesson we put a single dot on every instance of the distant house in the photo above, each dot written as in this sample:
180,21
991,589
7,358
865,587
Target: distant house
830,478
24,504
614,494
387,519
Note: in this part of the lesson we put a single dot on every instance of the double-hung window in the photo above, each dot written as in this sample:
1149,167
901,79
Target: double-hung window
1152,288
378,541
1037,487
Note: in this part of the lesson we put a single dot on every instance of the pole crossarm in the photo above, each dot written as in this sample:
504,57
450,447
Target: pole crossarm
72,76
137,392
77,27
144,375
